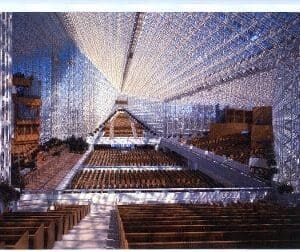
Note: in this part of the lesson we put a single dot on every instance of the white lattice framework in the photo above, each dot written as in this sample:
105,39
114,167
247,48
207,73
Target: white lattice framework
75,94
174,118
250,91
178,54
82,96
286,115
5,96
106,40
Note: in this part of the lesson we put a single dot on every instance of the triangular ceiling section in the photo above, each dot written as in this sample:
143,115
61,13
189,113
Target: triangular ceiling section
104,38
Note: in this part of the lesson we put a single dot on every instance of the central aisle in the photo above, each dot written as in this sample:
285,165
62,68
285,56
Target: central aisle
98,230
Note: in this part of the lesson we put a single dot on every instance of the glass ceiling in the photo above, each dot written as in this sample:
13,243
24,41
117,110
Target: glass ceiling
178,53
166,56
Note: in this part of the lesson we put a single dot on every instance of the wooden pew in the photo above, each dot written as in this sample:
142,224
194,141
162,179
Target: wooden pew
82,210
66,217
58,220
20,241
146,179
79,212
36,234
196,221
122,236
213,219
258,244
175,226
171,227
49,229
213,236
70,218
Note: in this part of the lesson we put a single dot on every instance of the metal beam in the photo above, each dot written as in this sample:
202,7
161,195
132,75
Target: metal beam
137,28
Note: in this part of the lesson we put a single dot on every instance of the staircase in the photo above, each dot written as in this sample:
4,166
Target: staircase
133,129
98,230
111,128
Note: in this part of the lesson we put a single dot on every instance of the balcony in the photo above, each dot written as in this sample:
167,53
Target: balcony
30,101
22,81
34,137
21,122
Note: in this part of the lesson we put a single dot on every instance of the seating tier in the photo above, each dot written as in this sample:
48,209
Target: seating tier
239,225
121,179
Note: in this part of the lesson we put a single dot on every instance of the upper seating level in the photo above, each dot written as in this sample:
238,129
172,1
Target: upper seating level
235,146
239,148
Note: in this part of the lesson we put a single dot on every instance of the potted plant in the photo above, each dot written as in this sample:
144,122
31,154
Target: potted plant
8,194
76,145
285,188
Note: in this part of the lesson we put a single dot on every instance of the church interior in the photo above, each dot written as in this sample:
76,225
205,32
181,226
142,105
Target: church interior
150,130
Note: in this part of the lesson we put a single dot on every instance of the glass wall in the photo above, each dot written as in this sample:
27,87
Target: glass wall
170,119
286,116
5,96
76,97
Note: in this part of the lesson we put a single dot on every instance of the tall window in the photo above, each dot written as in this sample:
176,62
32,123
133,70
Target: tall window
5,95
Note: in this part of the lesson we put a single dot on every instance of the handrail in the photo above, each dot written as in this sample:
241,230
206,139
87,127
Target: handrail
210,156
51,201
134,167
189,189
54,194
230,165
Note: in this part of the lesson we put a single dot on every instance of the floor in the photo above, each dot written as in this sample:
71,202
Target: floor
98,230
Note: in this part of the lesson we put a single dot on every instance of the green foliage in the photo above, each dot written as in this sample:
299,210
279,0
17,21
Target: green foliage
76,145
285,188
56,153
19,75
15,175
53,142
8,193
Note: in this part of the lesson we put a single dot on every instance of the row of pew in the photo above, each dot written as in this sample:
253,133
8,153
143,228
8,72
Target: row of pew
184,226
39,230
131,157
122,179
122,125
236,147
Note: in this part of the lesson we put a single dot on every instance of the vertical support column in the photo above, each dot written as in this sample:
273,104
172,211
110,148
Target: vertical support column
286,116
54,95
165,120
204,119
174,119
5,96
